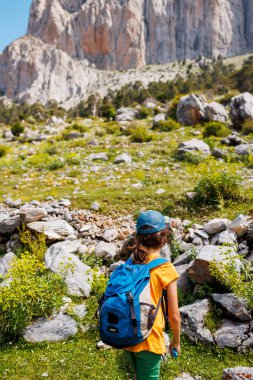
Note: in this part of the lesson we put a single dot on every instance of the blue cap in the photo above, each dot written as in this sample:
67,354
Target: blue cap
150,218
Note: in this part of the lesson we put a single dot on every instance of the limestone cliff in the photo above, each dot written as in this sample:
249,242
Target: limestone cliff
69,41
122,34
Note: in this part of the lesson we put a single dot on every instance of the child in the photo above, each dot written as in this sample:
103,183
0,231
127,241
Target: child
151,235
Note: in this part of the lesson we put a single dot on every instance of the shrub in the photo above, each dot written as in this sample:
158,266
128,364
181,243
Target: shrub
3,150
226,99
33,292
214,187
99,282
240,283
108,111
17,129
215,128
56,164
35,244
192,158
166,125
247,127
144,112
173,107
140,134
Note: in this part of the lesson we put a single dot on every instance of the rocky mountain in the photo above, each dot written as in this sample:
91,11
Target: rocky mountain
70,41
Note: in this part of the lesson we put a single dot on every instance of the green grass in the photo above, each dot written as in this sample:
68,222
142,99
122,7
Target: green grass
39,172
78,358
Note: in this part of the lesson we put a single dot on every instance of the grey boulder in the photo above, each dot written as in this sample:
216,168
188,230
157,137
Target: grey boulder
193,321
193,146
51,330
236,306
110,234
28,215
61,258
105,250
239,225
53,229
191,109
215,226
216,112
199,271
123,158
5,263
232,334
241,108
238,373
8,224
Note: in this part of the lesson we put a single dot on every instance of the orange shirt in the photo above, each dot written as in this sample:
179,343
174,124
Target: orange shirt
160,278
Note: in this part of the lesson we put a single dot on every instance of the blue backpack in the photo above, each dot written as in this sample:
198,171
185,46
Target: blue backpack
126,313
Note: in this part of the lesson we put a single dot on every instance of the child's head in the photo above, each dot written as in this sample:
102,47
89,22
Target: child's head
151,234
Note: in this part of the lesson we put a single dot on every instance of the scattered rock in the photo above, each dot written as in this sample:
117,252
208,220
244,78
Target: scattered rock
239,225
215,226
244,149
219,153
8,224
192,319
233,140
241,108
199,270
28,215
61,258
159,117
97,156
51,330
125,114
184,376
102,346
238,373
191,109
216,112
236,306
5,263
123,158
80,310
105,250
110,234
194,145
232,334
53,229
95,206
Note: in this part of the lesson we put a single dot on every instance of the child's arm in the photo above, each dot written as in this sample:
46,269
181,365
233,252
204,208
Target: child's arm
174,315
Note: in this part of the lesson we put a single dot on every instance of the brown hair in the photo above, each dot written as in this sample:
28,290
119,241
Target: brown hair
143,242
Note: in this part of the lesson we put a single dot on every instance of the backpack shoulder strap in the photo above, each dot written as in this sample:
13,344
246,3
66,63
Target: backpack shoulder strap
156,263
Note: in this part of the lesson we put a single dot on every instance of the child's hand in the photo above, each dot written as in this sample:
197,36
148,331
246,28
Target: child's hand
174,345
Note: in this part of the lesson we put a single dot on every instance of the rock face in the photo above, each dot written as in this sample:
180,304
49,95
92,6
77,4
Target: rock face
67,39
124,34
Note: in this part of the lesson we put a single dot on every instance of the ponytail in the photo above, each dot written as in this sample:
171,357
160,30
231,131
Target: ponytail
142,243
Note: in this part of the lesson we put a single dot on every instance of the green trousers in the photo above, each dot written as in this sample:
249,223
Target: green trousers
145,364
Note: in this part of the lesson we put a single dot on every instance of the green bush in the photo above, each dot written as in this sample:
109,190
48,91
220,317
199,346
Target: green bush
144,112
166,125
247,127
35,244
99,282
173,107
226,99
17,129
215,128
56,164
214,187
240,283
140,134
33,292
3,150
108,111
194,158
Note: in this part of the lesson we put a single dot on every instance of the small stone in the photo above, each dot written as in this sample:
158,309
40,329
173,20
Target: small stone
95,206
123,158
160,191
106,250
110,234
102,346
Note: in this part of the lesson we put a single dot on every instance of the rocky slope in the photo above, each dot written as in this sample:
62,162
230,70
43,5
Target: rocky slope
68,41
